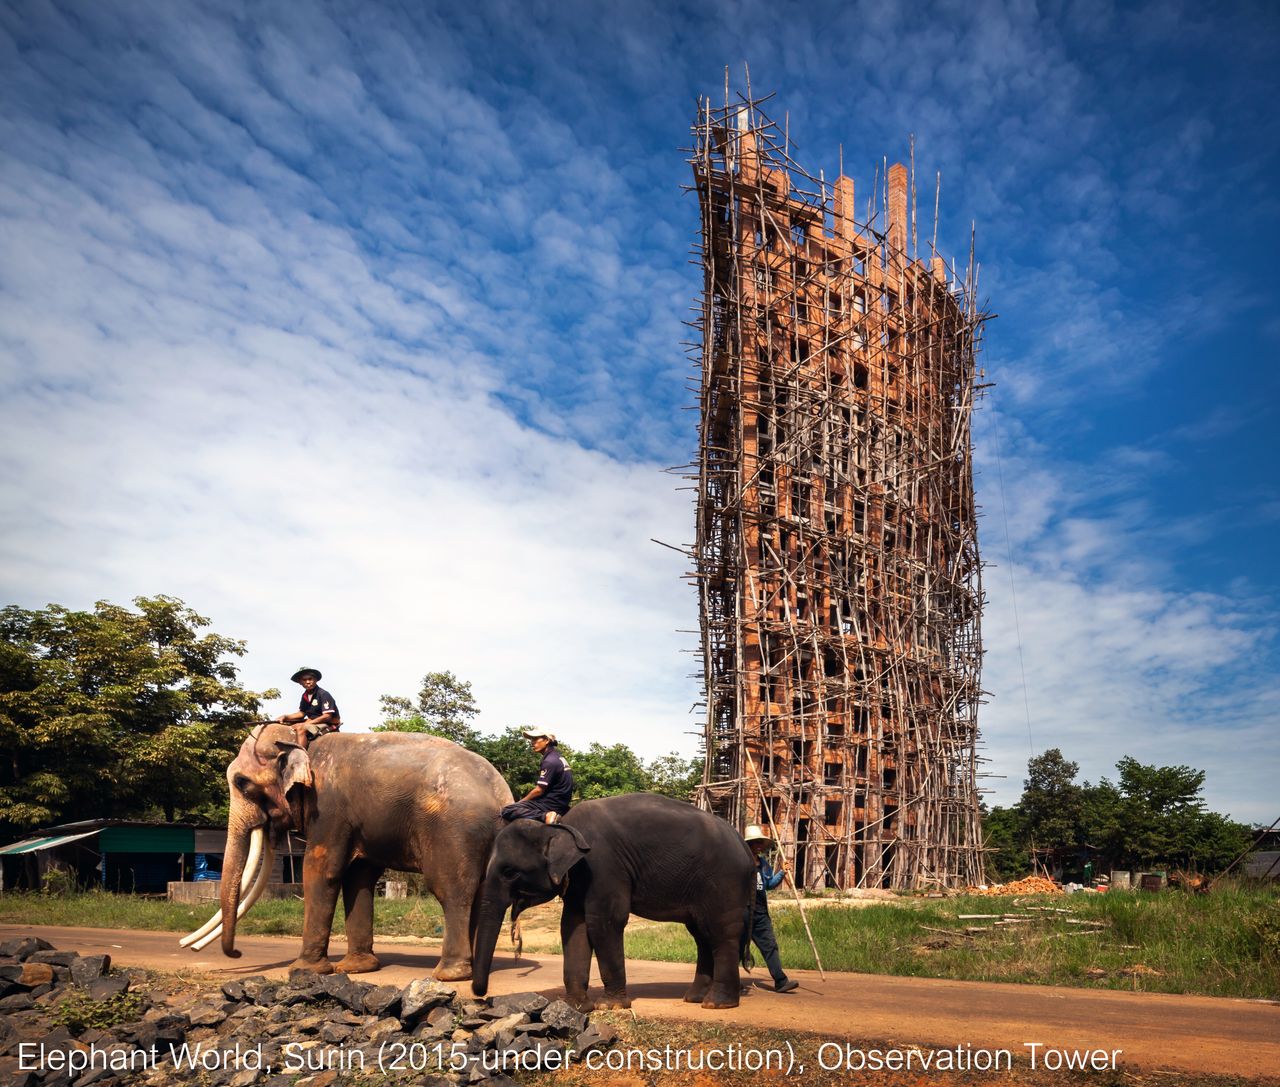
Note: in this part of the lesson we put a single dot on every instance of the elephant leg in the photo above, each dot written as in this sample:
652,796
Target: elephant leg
576,947
455,952
357,901
321,879
702,975
726,947
604,929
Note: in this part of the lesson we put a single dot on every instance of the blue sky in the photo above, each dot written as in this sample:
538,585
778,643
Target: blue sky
358,327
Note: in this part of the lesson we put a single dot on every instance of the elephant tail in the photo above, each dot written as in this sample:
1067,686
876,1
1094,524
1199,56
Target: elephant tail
744,945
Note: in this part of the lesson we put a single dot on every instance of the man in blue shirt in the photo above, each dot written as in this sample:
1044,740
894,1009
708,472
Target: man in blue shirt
762,934
317,711
550,797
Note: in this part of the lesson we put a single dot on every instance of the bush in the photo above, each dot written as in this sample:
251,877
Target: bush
79,1011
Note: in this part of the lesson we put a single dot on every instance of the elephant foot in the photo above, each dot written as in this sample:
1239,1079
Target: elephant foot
721,997
579,1002
316,966
358,962
458,970
610,1001
696,992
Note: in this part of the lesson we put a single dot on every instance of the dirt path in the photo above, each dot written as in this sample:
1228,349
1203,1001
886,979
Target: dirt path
1187,1033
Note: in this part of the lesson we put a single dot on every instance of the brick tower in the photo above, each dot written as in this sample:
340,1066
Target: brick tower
837,556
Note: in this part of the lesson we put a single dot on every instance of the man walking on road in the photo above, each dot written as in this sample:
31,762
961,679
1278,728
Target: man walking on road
762,934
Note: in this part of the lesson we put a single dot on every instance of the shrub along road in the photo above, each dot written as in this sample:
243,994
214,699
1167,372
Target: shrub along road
1153,1031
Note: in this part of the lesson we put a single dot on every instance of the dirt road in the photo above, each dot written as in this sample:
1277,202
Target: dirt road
1187,1033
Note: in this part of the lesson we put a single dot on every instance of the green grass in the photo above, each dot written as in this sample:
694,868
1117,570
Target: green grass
280,917
1223,944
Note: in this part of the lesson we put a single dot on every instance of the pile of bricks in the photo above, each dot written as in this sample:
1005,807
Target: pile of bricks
1028,885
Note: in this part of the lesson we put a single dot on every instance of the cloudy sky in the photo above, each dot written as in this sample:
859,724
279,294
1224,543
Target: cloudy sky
357,327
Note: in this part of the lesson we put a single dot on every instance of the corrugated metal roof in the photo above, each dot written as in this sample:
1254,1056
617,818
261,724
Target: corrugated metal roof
32,845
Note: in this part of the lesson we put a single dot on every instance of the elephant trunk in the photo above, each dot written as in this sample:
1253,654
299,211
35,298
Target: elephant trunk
239,834
494,900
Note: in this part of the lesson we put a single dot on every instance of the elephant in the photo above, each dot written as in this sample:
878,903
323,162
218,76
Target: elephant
364,803
639,853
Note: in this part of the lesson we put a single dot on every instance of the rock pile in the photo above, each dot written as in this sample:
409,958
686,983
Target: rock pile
69,1021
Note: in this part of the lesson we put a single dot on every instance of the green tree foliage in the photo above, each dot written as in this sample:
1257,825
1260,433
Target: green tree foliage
675,776
1005,833
115,712
444,707
1152,816
604,771
1051,802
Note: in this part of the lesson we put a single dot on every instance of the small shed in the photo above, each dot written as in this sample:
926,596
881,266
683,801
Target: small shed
132,857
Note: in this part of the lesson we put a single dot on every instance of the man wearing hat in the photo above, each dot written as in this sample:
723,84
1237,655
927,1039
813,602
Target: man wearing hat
762,934
550,797
317,712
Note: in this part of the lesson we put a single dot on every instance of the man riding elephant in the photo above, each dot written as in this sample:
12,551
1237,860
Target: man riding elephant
550,797
317,711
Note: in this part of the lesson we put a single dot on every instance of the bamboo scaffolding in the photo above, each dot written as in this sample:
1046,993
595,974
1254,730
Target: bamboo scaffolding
836,557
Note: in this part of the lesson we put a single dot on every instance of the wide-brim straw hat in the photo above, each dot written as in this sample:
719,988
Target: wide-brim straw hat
756,833
297,676
538,734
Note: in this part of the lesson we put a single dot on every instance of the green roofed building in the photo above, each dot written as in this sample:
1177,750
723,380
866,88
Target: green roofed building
125,856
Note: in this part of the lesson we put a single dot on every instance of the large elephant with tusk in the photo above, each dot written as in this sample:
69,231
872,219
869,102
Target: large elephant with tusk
364,803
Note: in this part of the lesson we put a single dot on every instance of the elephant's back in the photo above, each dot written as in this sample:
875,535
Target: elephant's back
430,762
682,834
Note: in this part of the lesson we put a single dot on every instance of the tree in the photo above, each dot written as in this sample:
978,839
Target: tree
606,771
1051,803
675,776
116,713
1160,819
1004,836
444,707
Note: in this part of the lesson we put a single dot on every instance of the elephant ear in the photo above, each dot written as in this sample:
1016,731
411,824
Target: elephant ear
297,768
565,848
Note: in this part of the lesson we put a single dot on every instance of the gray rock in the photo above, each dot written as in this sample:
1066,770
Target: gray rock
420,996
234,990
563,1019
54,958
383,1000
336,1033
382,1029
89,967
22,947
529,1003
305,986
596,1036
16,1002
246,1077
251,988
490,1031
206,1015
543,1047
106,988
346,992
172,1027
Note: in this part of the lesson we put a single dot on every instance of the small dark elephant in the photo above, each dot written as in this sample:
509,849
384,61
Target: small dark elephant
636,853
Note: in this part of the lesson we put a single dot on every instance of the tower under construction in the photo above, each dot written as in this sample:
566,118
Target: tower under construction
837,555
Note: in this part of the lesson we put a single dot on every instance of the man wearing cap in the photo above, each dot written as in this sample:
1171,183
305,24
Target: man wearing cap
762,934
550,797
317,711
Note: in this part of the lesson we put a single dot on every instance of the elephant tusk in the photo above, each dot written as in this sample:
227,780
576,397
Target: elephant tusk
517,937
258,835
246,903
